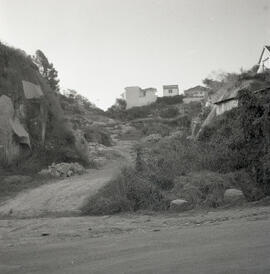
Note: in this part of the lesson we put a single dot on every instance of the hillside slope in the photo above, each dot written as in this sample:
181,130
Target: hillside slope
37,114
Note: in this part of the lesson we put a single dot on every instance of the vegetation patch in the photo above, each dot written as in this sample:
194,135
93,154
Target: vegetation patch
99,135
128,191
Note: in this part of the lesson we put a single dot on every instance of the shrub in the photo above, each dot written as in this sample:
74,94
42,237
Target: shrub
239,139
138,112
251,190
17,66
128,191
169,112
98,135
202,188
170,100
155,128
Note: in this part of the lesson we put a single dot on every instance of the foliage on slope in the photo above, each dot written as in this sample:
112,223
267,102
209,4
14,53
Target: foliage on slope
16,66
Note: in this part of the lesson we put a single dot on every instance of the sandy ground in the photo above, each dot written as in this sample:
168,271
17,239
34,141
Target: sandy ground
222,241
65,197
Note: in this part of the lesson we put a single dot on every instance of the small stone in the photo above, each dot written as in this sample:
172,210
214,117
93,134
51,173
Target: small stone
179,205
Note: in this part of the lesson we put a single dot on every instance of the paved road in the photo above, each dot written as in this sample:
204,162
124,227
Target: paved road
228,247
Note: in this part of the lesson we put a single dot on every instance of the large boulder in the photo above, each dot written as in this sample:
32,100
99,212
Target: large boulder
233,195
179,205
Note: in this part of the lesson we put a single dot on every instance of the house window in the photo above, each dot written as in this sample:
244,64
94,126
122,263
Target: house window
170,90
142,93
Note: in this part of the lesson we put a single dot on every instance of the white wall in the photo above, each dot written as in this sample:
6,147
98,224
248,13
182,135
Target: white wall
135,97
265,61
174,91
226,106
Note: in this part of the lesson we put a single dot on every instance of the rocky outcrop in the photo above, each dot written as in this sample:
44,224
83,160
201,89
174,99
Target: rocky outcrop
30,110
12,132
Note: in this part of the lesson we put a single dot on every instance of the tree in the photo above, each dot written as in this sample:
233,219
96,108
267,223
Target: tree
118,109
47,70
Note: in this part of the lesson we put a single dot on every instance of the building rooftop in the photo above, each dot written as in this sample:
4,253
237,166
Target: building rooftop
170,86
197,87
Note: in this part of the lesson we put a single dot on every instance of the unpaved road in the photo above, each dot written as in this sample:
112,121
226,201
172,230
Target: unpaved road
65,197
224,241
61,198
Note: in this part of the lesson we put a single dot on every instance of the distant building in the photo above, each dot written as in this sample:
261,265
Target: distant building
195,94
136,96
264,61
170,90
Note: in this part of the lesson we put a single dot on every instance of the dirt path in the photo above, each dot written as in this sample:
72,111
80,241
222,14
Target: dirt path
222,241
65,197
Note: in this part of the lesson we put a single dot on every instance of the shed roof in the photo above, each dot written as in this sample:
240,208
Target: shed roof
150,89
196,88
232,92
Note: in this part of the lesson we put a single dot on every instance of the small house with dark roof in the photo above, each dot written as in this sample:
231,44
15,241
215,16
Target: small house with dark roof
264,61
196,94
170,90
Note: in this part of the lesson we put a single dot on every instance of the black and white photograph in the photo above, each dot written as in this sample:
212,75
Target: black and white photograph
135,136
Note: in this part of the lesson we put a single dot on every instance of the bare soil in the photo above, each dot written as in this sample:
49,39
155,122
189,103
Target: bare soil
65,197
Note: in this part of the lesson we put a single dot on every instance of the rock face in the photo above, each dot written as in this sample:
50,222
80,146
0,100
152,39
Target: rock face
233,195
9,126
8,148
179,205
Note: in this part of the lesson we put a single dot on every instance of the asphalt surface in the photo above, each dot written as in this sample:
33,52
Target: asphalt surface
228,247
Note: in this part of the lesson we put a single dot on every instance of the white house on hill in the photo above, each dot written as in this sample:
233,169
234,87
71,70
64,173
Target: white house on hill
195,94
136,96
170,90
264,61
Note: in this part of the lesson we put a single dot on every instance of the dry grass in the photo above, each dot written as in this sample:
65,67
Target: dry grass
126,192
203,188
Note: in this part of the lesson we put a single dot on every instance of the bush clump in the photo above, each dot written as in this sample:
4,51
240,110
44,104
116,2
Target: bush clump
169,112
170,100
128,191
155,128
202,188
98,135
63,170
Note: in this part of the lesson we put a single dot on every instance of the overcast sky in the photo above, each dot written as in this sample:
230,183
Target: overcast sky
101,46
